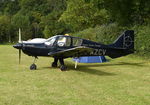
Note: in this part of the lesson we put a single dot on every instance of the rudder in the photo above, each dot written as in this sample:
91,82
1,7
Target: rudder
124,45
125,40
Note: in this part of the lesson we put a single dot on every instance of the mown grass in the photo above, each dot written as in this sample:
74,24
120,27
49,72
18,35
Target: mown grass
123,81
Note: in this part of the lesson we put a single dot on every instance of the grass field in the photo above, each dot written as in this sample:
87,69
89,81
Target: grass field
123,81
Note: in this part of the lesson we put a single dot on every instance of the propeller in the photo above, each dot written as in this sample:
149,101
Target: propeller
19,42
19,36
19,55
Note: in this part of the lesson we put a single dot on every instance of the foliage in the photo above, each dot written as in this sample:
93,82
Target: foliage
24,25
9,7
107,34
5,28
83,16
142,44
104,33
125,12
98,20
30,15
51,25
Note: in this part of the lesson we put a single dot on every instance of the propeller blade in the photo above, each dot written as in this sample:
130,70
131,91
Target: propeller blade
19,36
19,55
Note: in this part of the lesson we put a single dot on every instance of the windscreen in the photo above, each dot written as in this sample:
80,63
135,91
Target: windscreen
50,41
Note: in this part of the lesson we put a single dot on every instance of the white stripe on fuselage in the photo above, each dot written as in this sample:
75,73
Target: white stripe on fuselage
36,40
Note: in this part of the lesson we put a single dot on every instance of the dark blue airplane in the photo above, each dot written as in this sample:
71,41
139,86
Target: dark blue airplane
61,46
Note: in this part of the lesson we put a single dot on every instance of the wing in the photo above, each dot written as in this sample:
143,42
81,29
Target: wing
72,52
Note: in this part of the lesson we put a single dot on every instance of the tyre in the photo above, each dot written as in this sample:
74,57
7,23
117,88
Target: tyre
63,68
33,67
54,64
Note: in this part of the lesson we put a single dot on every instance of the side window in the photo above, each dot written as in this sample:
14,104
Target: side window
77,42
64,41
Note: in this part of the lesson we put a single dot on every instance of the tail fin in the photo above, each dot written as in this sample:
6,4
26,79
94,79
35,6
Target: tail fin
124,45
125,40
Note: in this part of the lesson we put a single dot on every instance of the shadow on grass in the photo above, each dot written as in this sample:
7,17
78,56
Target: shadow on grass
87,68
84,69
117,64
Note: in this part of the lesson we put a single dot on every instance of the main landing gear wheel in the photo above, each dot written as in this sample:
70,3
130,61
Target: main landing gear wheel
33,67
63,67
54,64
61,60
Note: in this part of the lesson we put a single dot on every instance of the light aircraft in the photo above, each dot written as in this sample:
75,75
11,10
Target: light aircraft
61,47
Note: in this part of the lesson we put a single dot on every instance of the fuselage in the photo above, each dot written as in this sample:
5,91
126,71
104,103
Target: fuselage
41,47
60,43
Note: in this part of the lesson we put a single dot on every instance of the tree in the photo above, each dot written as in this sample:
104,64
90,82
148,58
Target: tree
5,28
81,15
52,26
126,12
23,22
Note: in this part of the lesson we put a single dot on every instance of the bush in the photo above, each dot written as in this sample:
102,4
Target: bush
107,34
142,39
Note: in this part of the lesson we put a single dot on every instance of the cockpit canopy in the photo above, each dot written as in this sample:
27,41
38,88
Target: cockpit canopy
63,41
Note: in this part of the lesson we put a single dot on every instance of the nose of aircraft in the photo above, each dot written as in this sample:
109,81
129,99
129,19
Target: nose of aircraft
18,46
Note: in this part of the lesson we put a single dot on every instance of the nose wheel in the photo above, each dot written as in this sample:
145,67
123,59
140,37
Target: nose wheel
33,66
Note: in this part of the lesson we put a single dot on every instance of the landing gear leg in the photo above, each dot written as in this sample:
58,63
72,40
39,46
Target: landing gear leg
62,67
54,64
33,66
